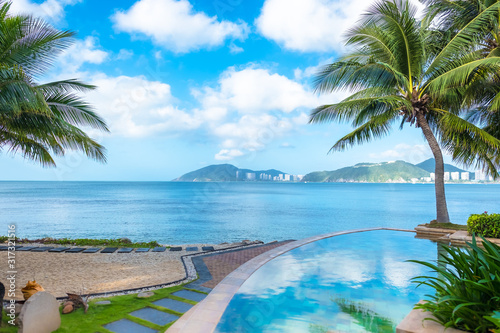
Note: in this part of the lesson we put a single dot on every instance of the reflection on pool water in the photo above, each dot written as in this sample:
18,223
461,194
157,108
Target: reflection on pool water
350,283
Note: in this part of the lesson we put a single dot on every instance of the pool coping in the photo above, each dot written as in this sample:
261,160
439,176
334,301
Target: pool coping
205,316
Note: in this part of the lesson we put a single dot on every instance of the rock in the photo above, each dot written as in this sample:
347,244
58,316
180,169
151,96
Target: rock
68,307
102,303
40,314
125,240
145,294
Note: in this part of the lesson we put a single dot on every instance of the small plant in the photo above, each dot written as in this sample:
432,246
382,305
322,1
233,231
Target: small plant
487,225
467,287
495,319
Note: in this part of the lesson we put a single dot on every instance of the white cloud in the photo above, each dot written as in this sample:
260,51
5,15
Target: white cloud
251,107
310,25
257,90
412,154
135,106
83,51
228,154
48,9
176,26
125,54
235,49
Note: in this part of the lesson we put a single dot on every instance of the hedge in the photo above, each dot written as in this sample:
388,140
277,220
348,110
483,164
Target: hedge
487,225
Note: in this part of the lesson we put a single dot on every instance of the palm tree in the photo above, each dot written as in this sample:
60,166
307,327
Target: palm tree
449,18
397,73
40,120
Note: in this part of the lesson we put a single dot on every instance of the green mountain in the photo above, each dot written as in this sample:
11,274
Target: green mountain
430,164
227,172
370,172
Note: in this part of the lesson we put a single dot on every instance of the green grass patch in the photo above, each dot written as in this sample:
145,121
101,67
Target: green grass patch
451,226
119,242
120,307
5,327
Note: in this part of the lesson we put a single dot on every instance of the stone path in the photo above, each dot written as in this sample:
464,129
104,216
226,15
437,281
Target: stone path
213,268
164,312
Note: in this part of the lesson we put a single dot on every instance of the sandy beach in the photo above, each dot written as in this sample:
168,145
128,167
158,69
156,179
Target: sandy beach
60,273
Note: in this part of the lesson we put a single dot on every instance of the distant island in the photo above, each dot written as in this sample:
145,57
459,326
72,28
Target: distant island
384,172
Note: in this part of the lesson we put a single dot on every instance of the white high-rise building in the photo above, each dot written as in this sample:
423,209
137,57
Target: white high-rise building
287,178
480,175
465,176
250,175
446,176
433,176
455,175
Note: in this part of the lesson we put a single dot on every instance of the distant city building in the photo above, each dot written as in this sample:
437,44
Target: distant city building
281,177
427,179
480,175
250,176
465,176
300,177
490,178
455,175
239,174
287,178
433,176
446,176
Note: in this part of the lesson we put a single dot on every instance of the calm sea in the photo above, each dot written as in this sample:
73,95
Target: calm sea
180,213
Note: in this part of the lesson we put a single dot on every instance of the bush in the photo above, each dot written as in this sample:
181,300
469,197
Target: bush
487,225
467,287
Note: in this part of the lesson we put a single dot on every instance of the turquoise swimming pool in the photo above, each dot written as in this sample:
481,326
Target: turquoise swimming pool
357,282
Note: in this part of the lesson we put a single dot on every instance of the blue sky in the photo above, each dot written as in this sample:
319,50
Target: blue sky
188,83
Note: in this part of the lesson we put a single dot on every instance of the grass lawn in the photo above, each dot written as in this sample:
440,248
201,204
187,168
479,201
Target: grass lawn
120,307
119,242
451,226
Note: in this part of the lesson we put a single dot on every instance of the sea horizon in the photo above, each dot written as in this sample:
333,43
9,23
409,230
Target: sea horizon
216,212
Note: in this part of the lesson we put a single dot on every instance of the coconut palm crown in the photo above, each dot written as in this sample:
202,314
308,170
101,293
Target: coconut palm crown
40,121
398,75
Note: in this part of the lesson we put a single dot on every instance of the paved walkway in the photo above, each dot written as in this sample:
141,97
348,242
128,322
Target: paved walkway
222,264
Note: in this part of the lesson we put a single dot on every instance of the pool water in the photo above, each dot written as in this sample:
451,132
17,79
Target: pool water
357,282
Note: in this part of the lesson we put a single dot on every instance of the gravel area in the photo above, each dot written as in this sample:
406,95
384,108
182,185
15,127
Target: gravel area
59,273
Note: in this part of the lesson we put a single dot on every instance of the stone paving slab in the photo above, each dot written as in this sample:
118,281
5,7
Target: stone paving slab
127,326
190,295
176,248
59,249
159,249
142,249
125,250
25,248
75,250
174,305
92,250
155,316
191,249
109,250
42,249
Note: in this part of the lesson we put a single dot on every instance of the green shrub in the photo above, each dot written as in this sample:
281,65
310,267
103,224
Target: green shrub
467,287
487,225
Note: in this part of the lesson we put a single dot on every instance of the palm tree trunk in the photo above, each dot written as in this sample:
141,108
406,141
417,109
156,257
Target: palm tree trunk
441,208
